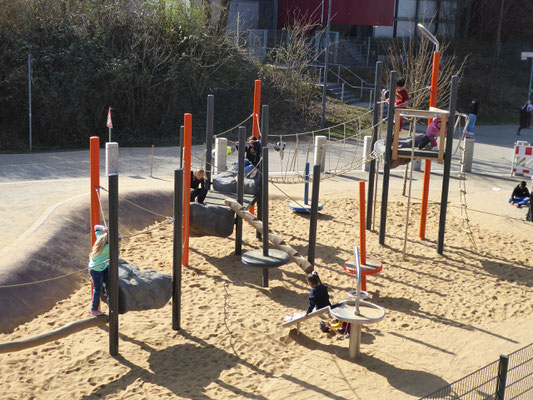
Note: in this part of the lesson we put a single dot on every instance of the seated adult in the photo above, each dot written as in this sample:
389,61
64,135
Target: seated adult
520,195
253,154
198,186
426,141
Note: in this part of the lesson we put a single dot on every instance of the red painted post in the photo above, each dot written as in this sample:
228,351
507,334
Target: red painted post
187,148
362,226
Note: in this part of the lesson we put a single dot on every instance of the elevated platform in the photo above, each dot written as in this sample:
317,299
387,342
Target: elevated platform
438,155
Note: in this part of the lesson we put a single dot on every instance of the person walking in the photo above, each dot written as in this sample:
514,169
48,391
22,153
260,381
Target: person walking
472,117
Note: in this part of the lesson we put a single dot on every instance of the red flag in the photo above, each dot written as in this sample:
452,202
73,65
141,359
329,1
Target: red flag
109,122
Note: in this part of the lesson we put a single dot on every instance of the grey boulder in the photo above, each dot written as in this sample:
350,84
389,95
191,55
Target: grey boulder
140,290
226,182
211,221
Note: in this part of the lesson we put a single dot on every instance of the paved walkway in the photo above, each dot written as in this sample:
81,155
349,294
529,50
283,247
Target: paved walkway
33,185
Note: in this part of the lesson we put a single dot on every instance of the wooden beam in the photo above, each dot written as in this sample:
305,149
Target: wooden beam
52,336
278,242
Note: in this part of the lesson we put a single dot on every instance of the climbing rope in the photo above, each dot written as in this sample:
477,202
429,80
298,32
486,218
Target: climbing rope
462,180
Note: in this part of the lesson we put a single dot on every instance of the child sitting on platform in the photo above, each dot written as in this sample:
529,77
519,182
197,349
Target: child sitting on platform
319,296
427,141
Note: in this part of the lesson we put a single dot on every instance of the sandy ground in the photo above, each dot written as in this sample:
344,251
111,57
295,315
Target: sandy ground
446,315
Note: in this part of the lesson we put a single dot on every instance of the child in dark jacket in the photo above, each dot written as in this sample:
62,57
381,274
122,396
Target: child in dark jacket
319,296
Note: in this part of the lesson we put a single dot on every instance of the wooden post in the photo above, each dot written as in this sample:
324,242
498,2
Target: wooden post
113,264
177,249
187,144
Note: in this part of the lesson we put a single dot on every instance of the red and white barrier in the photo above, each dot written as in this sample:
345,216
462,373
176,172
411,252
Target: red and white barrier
522,159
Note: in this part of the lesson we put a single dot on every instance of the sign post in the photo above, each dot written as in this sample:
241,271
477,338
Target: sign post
109,122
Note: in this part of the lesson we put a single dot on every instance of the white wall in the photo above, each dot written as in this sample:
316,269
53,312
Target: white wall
426,12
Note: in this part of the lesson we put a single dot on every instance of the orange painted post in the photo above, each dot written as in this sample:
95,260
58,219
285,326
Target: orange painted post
362,226
255,117
257,108
94,155
427,165
95,184
187,148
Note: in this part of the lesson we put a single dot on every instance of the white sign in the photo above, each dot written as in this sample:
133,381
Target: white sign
526,54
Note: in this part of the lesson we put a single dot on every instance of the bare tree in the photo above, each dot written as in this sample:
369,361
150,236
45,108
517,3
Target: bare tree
293,57
413,59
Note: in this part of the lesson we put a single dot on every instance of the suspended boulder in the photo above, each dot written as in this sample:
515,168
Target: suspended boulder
140,290
211,221
226,182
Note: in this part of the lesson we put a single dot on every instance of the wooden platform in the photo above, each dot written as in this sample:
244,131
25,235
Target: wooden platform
419,154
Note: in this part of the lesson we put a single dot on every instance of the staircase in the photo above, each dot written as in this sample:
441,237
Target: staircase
334,89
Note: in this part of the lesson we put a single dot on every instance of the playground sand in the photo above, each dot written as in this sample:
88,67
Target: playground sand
446,316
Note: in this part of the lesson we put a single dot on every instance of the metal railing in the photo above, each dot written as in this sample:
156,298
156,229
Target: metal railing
509,378
335,70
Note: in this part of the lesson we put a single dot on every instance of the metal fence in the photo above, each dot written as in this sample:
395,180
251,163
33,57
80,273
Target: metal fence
507,379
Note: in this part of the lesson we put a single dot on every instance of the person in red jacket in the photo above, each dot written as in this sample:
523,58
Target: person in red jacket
402,96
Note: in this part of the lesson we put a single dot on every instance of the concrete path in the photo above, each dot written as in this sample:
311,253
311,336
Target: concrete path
34,185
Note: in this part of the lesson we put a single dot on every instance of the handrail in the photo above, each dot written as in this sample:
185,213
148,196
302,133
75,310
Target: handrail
364,85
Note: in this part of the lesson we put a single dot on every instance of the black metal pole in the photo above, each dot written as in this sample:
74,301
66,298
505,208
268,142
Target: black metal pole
264,195
182,130
264,143
265,126
503,367
177,250
388,154
209,136
447,163
314,214
372,170
240,188
113,264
